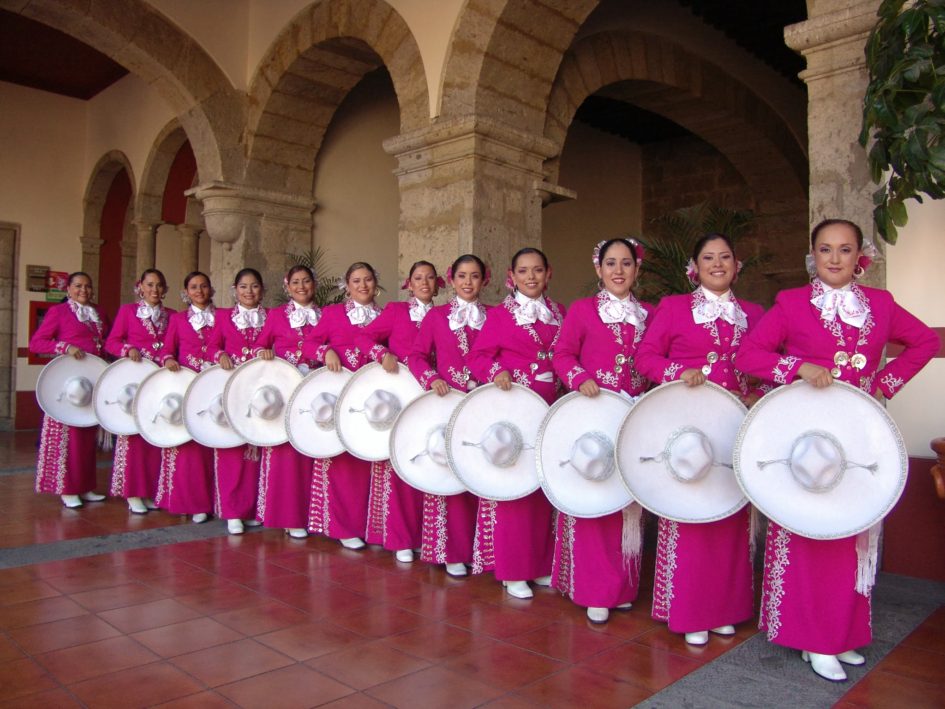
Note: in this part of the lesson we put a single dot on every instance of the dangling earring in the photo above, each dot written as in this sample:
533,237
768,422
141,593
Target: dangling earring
858,272
600,284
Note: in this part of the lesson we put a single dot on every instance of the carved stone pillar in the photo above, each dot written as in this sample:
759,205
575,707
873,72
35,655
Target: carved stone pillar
832,41
188,236
469,185
144,249
91,257
252,227
129,269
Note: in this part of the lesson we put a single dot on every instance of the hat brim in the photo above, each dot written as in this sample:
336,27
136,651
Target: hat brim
52,380
304,434
867,434
408,441
116,377
206,386
481,408
645,432
569,418
154,429
358,437
238,394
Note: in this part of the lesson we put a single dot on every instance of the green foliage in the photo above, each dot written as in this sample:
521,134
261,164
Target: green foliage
673,235
904,108
327,291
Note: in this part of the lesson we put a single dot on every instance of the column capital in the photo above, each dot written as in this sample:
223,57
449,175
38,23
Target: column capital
91,244
833,42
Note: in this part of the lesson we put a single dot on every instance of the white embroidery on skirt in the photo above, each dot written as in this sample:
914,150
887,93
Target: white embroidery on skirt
665,568
119,467
773,589
264,466
318,514
484,544
565,581
166,476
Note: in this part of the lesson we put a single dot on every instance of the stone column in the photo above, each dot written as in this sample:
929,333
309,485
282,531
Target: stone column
91,257
469,185
188,235
832,41
129,269
144,249
253,227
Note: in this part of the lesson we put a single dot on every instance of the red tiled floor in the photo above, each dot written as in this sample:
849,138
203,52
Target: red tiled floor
262,618
566,641
885,689
203,700
916,664
437,642
308,640
223,596
9,650
505,666
367,665
130,619
81,662
662,639
27,591
59,634
580,687
499,622
42,611
128,594
380,620
185,637
295,687
330,601
50,699
137,687
926,637
641,665
22,678
435,688
223,664
355,701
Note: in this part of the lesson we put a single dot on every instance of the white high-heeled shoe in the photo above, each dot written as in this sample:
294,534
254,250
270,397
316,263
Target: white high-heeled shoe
234,526
71,501
598,615
353,543
92,496
518,589
827,666
200,518
851,657
724,630
137,506
297,533
457,569
404,556
700,637
542,580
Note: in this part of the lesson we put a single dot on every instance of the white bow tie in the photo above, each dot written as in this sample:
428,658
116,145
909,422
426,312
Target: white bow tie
151,312
419,310
464,313
710,310
84,313
613,310
302,315
360,314
841,303
531,310
246,317
200,319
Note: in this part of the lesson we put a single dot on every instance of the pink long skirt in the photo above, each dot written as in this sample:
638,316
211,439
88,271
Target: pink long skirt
590,567
65,464
236,471
449,528
395,510
136,469
285,483
339,496
186,483
515,539
809,599
703,574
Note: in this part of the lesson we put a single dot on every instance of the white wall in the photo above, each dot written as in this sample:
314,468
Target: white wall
914,276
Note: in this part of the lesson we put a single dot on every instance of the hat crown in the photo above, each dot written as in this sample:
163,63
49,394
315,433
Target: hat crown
690,456
817,463
126,397
502,444
592,456
268,402
381,409
172,409
436,445
78,391
217,413
323,410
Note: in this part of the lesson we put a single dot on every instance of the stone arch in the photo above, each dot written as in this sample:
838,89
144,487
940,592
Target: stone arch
501,65
150,195
146,43
312,65
660,76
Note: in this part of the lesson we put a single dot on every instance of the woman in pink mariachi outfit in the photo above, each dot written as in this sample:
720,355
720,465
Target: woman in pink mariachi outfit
516,538
340,485
703,578
595,349
186,483
395,509
816,593
438,361
73,327
234,341
285,475
138,333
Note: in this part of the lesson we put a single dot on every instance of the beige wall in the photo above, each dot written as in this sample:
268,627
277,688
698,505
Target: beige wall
357,194
605,171
914,276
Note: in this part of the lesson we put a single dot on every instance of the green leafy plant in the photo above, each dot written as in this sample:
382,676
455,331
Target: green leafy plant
672,236
904,108
327,291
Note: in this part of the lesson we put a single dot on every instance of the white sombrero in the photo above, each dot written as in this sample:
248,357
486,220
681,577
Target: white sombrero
824,463
158,407
65,386
114,394
204,416
674,452
368,407
418,444
310,416
577,465
490,441
255,398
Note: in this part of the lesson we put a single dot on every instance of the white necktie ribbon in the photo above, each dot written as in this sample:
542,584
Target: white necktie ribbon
85,313
200,319
303,315
419,310
246,317
360,314
531,310
712,310
614,310
842,303
465,313
149,312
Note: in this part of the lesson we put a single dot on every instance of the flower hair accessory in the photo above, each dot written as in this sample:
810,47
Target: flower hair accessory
341,284
867,255
185,299
635,246
692,273
509,282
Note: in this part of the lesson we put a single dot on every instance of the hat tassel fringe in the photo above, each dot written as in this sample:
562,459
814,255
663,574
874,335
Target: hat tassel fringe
867,556
251,453
631,541
105,440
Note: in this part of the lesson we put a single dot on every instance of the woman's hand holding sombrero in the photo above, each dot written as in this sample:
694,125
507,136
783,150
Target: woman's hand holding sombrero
693,377
503,380
76,352
332,361
589,388
815,375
